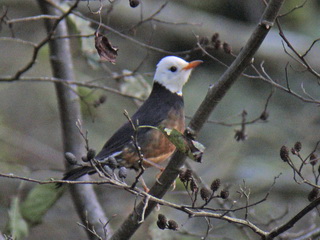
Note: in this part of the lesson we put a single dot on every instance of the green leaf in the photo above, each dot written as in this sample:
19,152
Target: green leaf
39,201
191,148
16,227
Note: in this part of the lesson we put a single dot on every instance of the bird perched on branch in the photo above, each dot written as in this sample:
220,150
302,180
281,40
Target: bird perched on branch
163,107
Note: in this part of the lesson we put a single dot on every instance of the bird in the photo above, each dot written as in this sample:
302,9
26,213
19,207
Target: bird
164,107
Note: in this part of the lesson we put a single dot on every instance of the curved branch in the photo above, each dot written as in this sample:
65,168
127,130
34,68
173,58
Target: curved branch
213,97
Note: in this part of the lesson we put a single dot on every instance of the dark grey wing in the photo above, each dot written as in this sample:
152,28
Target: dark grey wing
154,110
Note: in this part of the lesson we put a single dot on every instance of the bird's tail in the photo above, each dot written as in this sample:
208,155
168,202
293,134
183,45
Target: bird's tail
76,173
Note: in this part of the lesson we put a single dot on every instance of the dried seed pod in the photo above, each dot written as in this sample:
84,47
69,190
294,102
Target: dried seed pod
224,194
182,175
313,195
162,217
161,225
70,158
108,170
102,99
217,44
96,104
215,185
173,225
134,3
193,186
204,41
297,146
284,154
188,174
215,37
91,154
226,48
84,158
112,163
162,221
122,172
205,194
313,159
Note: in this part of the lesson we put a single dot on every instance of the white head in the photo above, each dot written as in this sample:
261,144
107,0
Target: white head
173,72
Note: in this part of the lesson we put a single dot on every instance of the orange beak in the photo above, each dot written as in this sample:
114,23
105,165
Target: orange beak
192,64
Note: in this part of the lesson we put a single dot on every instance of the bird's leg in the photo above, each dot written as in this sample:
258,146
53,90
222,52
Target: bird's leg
153,164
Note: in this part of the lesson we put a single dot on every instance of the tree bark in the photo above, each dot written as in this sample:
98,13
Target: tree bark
84,197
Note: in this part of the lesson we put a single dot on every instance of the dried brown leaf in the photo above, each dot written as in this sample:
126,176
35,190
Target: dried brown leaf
106,51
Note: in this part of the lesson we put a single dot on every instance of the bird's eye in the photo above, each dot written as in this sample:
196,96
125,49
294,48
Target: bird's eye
173,69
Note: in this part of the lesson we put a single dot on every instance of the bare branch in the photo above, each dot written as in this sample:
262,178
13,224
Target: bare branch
281,229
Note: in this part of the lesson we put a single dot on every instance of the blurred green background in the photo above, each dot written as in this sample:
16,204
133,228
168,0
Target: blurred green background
30,128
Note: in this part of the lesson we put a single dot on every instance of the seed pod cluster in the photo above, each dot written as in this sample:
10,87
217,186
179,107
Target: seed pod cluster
215,43
208,194
163,223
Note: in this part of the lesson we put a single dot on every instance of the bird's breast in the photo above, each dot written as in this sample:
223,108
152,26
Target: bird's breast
155,146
